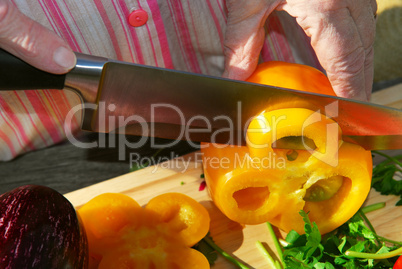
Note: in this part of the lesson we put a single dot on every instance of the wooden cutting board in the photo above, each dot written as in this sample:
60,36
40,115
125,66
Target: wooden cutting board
183,174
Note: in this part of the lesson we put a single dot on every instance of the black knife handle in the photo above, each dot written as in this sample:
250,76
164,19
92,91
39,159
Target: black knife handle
16,74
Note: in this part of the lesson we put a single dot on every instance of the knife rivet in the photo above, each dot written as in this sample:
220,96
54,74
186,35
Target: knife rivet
138,17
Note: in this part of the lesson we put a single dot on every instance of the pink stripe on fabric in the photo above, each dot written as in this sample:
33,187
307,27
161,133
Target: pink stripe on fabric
79,30
31,120
43,111
162,37
61,24
17,127
6,137
150,38
196,36
184,35
54,27
133,34
279,44
217,25
47,119
281,41
124,29
9,143
58,100
65,108
268,52
177,34
59,103
52,104
110,30
223,9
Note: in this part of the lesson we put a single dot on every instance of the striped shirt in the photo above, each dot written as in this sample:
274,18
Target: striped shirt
178,34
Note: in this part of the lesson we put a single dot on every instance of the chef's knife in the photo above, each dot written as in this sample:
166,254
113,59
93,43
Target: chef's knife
148,101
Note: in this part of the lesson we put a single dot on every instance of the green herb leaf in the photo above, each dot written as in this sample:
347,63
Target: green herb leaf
293,238
384,179
207,250
354,245
325,265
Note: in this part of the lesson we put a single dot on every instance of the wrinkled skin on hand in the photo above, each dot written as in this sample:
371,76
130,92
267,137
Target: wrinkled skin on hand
32,42
342,34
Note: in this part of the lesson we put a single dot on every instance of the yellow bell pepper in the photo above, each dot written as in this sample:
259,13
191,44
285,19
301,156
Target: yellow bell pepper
294,160
121,234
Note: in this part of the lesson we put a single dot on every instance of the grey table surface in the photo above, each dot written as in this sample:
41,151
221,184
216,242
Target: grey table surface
66,167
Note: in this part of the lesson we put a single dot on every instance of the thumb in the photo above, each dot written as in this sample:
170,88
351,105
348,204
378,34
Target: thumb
32,42
244,36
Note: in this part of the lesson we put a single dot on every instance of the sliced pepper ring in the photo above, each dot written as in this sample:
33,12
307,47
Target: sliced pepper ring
326,176
320,136
187,218
246,197
130,236
106,213
355,166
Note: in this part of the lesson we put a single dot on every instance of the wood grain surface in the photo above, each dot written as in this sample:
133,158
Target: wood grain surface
183,174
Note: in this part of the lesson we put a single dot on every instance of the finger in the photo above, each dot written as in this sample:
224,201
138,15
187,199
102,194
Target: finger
244,36
342,36
365,20
32,42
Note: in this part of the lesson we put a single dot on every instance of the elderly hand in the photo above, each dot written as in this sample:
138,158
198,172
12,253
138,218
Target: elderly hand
342,34
32,42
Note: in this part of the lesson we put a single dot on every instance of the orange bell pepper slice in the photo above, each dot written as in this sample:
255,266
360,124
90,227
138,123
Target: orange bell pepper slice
121,234
185,217
294,160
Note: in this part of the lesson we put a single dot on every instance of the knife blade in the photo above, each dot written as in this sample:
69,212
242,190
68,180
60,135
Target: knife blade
157,102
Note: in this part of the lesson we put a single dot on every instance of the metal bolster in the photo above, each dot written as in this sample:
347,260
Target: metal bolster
84,80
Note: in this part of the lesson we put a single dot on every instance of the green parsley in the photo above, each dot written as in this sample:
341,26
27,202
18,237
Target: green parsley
354,245
384,176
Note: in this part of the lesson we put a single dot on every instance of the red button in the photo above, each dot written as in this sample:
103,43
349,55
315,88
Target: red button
138,17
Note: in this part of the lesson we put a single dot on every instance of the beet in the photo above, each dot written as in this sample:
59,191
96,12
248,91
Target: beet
39,228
